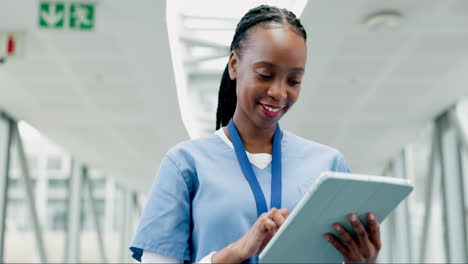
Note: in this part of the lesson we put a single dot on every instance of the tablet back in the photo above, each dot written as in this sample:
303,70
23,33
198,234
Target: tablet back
330,200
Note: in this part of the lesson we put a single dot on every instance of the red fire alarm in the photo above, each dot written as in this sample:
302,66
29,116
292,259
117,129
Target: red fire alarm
11,45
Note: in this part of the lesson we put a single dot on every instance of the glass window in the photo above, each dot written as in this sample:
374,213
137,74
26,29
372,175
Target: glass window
54,163
33,162
56,183
98,183
435,243
57,214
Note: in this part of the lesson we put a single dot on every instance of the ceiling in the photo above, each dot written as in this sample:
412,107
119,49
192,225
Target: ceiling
109,96
369,93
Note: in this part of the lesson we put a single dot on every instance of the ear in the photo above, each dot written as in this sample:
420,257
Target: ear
232,65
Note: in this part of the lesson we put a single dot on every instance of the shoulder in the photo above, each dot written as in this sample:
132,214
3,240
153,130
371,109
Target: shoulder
185,159
305,149
302,146
209,142
186,153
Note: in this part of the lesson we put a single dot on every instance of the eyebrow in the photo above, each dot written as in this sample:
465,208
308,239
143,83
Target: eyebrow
276,66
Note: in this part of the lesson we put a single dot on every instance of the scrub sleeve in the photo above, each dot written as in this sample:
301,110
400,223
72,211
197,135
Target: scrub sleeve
166,216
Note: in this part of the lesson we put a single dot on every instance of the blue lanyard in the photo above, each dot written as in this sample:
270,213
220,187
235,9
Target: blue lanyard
250,175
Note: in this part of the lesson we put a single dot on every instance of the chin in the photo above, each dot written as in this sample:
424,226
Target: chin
268,122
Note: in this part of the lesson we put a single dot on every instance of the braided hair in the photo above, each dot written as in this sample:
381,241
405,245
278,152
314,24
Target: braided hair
264,14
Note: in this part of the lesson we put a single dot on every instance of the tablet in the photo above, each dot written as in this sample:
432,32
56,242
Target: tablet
328,201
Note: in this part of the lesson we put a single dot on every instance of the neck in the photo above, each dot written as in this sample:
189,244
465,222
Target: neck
256,139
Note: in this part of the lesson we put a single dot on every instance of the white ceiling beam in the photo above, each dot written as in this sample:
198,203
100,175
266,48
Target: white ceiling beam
192,41
196,60
228,19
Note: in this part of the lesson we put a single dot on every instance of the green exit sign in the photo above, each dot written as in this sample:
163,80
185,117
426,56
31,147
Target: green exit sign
81,16
51,15
58,15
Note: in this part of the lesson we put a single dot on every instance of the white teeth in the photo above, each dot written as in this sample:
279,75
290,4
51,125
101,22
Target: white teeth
272,109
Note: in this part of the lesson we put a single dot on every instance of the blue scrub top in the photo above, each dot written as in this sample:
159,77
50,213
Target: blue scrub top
201,202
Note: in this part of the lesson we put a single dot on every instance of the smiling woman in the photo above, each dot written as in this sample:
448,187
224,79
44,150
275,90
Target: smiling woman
221,198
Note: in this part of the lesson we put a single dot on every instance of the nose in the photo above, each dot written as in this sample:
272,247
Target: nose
277,90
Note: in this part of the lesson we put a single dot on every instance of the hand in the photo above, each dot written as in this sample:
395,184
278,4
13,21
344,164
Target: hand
255,240
362,248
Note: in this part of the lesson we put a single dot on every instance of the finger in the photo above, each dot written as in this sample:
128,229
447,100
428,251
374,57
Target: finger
338,245
264,215
374,230
278,217
348,241
359,229
269,225
366,247
270,213
285,212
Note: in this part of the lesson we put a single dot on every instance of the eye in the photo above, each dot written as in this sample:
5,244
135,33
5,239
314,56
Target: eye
293,83
266,77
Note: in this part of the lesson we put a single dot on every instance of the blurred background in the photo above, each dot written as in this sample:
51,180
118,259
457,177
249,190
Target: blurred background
94,92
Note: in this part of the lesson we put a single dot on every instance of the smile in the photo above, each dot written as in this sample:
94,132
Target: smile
271,111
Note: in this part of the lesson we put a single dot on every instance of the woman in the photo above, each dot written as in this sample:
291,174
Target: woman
209,204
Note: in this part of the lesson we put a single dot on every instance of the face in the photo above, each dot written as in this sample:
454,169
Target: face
268,74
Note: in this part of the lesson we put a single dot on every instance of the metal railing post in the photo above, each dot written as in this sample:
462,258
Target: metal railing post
5,145
92,203
29,192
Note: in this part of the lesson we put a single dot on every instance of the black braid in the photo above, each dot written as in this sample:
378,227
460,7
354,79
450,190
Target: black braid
264,14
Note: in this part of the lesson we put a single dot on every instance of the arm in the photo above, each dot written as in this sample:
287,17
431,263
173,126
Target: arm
168,206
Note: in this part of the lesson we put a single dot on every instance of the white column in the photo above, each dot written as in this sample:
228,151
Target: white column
42,184
402,242
72,246
110,198
452,186
127,226
432,189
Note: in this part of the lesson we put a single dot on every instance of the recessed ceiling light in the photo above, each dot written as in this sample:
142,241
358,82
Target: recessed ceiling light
387,19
